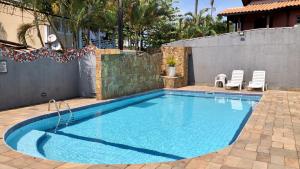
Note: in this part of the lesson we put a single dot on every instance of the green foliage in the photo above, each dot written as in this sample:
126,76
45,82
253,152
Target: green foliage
35,7
143,17
151,31
23,32
147,23
161,33
201,24
171,61
86,15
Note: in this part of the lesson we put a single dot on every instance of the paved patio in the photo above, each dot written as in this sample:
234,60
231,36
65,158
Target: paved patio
270,139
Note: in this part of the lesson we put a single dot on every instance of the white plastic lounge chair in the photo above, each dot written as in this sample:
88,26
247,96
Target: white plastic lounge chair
220,78
258,80
236,79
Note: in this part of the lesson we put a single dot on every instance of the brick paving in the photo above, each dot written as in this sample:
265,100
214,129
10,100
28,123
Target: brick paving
270,139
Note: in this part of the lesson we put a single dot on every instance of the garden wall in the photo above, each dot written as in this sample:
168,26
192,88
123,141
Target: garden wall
127,73
180,55
37,82
276,50
44,79
87,72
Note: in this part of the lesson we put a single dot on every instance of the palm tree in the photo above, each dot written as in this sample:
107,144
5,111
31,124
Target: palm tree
23,33
192,19
197,25
34,5
41,13
141,15
36,22
90,15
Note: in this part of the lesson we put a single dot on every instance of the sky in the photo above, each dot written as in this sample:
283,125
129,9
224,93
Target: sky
188,5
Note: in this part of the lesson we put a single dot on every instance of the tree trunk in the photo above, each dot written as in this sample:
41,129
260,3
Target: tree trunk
114,37
55,32
130,38
36,24
212,4
75,41
141,40
65,33
38,29
120,24
86,37
136,38
77,37
196,7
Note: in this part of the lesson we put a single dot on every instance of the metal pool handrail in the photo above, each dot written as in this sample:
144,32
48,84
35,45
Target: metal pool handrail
58,112
71,113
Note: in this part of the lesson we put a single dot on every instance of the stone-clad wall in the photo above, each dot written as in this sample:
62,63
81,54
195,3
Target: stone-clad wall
87,72
181,55
127,73
98,53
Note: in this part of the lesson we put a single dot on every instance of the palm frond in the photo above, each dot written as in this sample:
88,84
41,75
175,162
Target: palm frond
23,32
3,34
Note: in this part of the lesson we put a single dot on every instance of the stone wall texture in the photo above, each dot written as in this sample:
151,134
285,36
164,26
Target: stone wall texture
181,55
127,73
87,72
99,53
172,82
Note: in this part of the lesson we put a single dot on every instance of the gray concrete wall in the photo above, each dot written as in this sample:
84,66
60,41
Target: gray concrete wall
25,83
275,50
87,76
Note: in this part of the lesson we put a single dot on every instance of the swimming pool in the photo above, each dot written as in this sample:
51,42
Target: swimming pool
157,126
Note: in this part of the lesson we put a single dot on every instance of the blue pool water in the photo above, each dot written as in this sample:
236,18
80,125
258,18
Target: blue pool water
158,126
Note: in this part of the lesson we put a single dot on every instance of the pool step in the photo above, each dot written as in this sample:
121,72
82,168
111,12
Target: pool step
70,146
28,144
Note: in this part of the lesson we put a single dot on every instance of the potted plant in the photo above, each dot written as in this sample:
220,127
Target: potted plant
171,69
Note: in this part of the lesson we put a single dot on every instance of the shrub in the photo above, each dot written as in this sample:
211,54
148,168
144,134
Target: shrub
171,61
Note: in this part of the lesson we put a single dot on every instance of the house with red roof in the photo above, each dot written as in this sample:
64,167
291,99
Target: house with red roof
264,14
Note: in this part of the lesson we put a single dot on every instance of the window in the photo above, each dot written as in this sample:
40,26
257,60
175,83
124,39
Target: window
260,23
298,20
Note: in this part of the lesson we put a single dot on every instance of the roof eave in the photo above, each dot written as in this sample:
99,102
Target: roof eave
259,11
246,2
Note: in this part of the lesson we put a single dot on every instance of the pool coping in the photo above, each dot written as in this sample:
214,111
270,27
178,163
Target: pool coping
230,157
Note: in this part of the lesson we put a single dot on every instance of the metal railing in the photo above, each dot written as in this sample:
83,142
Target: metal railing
70,111
59,113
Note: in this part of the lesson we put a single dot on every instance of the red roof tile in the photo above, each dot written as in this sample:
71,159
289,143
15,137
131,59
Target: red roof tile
260,6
